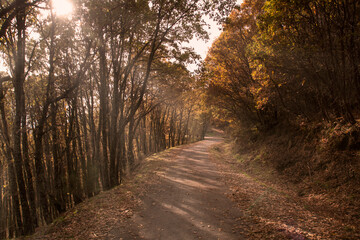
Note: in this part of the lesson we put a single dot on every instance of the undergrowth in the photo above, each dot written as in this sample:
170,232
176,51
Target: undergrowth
313,182
317,160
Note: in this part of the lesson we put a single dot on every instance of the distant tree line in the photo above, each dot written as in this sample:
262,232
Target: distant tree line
85,98
295,62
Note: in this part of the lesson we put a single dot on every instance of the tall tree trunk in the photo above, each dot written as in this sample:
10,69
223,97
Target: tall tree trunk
40,173
10,167
59,198
18,83
114,134
180,130
3,214
29,174
130,150
69,154
104,111
143,137
87,155
82,173
93,164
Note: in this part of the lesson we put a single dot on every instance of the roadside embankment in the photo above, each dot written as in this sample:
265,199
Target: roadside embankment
301,184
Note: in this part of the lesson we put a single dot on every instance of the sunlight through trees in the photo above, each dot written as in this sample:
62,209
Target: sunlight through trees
91,88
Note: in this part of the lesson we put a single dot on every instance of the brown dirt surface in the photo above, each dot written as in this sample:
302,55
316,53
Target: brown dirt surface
190,201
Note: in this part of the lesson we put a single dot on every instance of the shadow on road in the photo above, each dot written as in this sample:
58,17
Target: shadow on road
190,201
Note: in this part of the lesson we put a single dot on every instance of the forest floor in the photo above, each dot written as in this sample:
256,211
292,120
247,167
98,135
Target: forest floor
276,208
198,191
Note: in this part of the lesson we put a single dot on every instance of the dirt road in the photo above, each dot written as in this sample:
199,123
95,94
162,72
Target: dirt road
176,194
181,194
189,202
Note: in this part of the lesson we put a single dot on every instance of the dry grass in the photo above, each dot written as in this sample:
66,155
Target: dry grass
279,208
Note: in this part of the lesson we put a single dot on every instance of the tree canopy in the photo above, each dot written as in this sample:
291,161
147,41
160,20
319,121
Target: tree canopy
287,61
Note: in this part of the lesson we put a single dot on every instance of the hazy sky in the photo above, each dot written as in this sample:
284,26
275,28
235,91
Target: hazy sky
202,47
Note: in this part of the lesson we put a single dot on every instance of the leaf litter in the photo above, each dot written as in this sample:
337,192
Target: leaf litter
274,210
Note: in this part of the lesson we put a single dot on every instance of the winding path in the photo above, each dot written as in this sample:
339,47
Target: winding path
190,202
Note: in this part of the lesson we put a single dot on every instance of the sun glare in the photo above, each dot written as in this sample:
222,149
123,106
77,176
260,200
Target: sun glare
239,2
62,7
